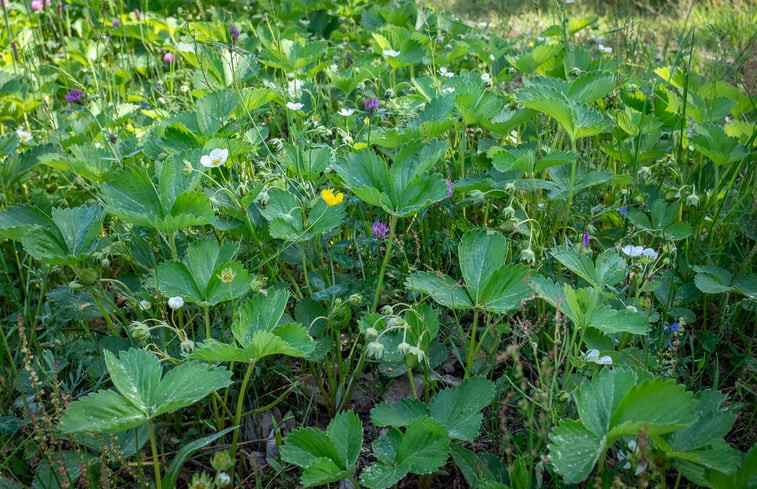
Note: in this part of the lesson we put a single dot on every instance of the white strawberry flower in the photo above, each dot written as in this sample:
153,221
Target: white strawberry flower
175,302
23,136
216,158
390,53
294,105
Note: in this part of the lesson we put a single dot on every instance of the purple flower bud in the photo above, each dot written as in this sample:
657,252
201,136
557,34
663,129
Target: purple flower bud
115,23
75,96
371,104
234,33
169,58
450,188
585,242
380,230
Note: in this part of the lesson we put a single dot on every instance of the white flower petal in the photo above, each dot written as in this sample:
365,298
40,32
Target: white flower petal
632,251
294,106
345,112
206,161
391,53
175,302
649,253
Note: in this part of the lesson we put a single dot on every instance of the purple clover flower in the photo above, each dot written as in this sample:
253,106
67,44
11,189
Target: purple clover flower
450,189
380,230
169,58
371,104
234,33
75,96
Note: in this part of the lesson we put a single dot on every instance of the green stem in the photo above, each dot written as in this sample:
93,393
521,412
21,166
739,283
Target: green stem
172,242
412,382
382,270
238,415
303,257
471,345
207,321
105,313
155,460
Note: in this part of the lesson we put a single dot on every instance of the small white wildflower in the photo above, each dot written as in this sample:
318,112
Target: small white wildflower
649,253
184,88
601,47
175,302
491,57
448,90
23,136
486,77
631,309
223,480
216,158
632,251
593,356
608,50
345,112
304,22
294,105
390,53
144,305
691,148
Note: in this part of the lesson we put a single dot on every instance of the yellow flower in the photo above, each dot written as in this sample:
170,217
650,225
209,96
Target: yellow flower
359,146
331,198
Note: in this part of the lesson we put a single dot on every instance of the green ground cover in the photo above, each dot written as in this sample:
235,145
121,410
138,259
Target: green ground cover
382,244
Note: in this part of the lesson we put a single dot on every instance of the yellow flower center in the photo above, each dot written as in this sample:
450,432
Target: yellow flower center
331,198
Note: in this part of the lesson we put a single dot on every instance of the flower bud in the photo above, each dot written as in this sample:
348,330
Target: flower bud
139,330
528,255
375,350
404,348
187,346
